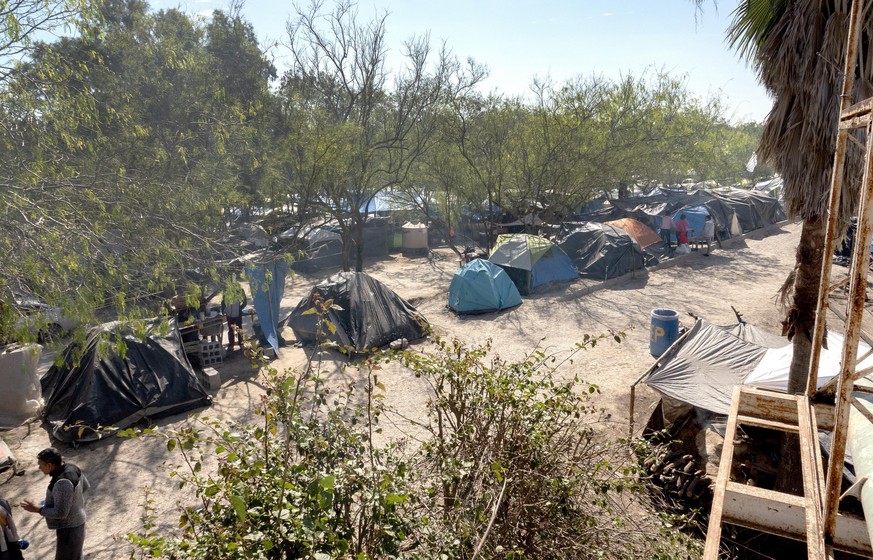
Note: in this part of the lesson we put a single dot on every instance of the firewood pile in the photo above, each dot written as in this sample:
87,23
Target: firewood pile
679,476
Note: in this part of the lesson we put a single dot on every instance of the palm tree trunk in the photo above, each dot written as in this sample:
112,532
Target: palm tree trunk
799,325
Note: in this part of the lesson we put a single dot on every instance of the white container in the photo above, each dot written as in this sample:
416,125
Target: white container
20,390
414,237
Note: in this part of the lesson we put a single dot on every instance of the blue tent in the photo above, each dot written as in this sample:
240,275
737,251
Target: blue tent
532,261
482,287
696,216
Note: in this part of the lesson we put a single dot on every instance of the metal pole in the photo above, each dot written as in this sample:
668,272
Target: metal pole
858,293
836,191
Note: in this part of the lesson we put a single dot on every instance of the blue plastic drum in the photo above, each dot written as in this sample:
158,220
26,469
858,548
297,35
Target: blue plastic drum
665,330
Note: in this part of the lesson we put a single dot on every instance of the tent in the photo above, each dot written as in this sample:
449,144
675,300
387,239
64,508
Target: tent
702,367
532,261
103,388
644,235
482,287
367,314
602,251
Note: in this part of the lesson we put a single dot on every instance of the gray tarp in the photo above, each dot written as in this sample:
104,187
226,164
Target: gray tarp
705,367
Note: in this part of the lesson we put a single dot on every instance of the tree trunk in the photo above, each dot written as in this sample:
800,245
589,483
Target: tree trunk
799,325
359,246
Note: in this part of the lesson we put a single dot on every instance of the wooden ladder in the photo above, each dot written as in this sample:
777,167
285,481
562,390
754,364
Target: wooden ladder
814,517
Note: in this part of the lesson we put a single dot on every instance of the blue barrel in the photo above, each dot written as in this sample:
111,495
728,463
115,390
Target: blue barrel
665,330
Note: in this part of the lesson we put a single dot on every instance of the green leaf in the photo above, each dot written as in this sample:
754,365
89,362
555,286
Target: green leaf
239,506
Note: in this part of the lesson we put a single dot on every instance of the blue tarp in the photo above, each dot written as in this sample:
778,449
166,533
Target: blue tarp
696,216
267,283
482,287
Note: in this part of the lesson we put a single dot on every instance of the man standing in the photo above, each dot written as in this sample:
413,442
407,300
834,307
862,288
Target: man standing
64,506
708,233
666,229
233,301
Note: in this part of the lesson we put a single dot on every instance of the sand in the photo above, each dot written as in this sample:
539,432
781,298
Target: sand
745,273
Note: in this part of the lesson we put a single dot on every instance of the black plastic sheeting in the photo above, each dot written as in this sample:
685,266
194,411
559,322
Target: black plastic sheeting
153,379
753,210
370,314
602,251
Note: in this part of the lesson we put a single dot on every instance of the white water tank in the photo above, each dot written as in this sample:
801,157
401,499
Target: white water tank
414,239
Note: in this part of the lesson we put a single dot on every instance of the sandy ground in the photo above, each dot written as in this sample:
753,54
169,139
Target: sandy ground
745,273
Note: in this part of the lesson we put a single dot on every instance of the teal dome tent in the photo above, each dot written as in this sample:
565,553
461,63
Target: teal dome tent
482,287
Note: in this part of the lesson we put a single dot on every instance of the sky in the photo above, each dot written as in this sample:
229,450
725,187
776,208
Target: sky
557,39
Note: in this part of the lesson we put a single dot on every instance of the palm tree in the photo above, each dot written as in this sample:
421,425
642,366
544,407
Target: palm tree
797,48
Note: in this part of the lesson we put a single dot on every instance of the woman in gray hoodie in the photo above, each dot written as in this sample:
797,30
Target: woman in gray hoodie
64,506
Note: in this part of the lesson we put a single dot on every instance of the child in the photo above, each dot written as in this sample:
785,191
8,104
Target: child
9,549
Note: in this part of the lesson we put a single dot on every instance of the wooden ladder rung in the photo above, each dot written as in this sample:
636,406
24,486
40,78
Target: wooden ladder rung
762,423
855,122
863,107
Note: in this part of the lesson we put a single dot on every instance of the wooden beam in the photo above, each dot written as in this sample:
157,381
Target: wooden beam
783,514
857,109
813,480
725,465
762,423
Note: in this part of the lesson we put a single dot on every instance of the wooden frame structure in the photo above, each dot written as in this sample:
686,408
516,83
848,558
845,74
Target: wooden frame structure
814,517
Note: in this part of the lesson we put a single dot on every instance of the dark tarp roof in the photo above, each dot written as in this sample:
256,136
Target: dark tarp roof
371,315
601,251
152,380
753,210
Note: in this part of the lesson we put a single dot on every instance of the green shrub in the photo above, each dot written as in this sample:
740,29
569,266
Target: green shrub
514,466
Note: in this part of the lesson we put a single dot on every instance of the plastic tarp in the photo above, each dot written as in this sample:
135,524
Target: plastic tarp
644,235
105,389
367,314
482,287
532,261
751,333
267,282
703,369
772,372
602,251
20,392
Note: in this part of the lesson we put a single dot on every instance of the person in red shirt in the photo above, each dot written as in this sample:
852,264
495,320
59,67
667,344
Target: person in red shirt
681,226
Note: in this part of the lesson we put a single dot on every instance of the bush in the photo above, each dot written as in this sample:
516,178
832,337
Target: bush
514,467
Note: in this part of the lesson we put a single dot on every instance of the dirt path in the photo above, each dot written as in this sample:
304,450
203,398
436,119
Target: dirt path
746,273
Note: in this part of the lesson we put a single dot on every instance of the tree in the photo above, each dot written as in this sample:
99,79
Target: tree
123,146
339,69
798,49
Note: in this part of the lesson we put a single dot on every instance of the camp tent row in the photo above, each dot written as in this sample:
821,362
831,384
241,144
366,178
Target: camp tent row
734,211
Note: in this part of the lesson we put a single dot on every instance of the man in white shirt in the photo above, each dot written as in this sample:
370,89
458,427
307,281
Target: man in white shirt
708,233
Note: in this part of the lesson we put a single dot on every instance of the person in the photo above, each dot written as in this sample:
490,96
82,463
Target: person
681,227
666,229
9,547
64,505
233,301
708,233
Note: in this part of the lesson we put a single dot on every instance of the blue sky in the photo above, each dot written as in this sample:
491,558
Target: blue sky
562,39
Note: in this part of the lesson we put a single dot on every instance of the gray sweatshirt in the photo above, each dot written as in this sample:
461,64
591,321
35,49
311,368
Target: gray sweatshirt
64,506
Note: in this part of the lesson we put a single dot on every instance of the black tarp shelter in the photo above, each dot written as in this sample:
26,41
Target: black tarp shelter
368,314
601,251
97,387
